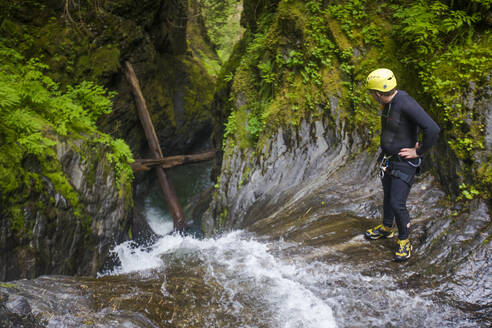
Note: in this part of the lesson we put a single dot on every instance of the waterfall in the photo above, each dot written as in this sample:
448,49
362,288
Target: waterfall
244,280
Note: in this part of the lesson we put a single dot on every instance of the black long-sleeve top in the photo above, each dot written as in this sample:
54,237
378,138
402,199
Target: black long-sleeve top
400,121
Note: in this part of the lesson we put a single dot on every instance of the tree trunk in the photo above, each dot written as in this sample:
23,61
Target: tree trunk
172,161
143,113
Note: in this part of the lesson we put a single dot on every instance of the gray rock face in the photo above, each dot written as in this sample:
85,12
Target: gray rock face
459,254
314,162
63,241
320,171
18,305
485,105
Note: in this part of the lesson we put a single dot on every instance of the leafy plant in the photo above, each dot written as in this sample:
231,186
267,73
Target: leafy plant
34,115
468,192
351,14
424,23
230,128
440,41
254,127
295,59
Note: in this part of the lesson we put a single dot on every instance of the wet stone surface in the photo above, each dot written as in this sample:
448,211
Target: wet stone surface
319,272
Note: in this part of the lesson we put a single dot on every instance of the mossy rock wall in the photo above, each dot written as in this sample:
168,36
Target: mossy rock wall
300,59
92,40
66,231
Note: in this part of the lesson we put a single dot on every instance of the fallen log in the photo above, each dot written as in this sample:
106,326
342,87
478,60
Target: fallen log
171,161
172,200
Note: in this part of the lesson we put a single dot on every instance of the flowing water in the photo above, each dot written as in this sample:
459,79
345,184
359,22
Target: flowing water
240,279
189,181
244,279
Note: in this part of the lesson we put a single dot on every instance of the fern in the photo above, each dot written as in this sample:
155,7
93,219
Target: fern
8,96
426,24
230,128
94,99
34,111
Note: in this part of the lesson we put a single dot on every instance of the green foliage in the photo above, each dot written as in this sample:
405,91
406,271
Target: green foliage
442,42
230,128
351,14
221,20
120,156
426,24
266,71
295,59
319,49
435,28
93,99
468,192
254,126
76,47
34,114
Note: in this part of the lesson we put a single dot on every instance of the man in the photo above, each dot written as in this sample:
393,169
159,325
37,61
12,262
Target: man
400,155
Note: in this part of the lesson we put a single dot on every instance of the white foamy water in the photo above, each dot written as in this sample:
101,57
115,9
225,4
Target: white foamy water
281,291
159,221
243,266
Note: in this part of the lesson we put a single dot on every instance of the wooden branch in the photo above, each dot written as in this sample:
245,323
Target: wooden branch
171,161
167,188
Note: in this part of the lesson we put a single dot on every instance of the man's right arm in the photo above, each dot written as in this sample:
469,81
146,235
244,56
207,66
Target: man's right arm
430,129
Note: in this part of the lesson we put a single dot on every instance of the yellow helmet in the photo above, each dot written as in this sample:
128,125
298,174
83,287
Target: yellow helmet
381,79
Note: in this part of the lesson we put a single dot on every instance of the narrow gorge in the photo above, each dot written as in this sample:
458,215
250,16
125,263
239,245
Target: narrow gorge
276,88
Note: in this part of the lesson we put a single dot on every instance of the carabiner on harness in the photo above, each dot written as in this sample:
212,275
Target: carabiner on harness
383,166
415,165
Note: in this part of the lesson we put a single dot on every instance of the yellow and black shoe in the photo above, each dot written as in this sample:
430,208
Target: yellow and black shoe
379,232
404,250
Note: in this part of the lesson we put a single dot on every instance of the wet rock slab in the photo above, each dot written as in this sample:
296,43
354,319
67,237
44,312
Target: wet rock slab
319,188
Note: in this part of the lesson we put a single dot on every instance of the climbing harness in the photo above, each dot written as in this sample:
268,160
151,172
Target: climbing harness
384,168
402,176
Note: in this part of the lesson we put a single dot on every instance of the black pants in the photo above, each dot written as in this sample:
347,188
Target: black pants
396,192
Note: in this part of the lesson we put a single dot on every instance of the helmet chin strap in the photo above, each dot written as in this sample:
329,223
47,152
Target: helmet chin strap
379,98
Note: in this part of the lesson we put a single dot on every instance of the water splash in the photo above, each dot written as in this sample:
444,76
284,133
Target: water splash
263,278
246,269
159,221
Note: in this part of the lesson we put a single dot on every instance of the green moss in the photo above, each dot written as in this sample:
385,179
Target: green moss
60,182
223,217
16,220
7,285
211,65
199,94
484,179
102,61
245,176
159,92
337,34
287,74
